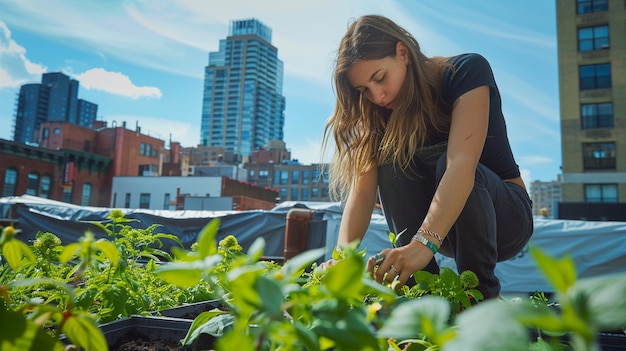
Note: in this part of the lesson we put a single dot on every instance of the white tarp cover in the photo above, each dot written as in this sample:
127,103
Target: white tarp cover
598,248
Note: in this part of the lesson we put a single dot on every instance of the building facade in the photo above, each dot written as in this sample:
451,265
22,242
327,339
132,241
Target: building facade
55,99
243,106
63,175
545,197
76,164
190,193
592,67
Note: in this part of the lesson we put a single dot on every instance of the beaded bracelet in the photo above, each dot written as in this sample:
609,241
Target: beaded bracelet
431,233
426,242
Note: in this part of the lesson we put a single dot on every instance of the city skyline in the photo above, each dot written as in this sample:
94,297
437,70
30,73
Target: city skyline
143,62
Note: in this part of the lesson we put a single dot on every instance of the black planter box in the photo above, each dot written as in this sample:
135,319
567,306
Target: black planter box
150,328
612,342
189,311
146,327
606,341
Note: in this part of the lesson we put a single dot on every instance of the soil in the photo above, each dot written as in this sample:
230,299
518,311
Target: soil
150,345
135,342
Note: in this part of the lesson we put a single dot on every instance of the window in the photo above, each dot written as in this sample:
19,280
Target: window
32,185
304,195
294,194
597,115
263,174
295,177
601,192
588,6
127,201
144,200
10,182
67,194
283,193
598,156
284,177
595,76
85,198
315,193
593,38
44,187
166,202
305,177
142,149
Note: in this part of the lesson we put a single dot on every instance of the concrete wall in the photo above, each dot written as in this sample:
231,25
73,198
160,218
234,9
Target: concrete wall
158,187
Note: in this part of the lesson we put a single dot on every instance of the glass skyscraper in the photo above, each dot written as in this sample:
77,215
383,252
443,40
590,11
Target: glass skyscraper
243,106
54,100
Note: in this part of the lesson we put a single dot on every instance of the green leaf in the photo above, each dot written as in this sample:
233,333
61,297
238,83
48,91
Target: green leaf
343,279
109,250
489,326
20,334
560,273
242,287
236,341
271,296
294,267
187,274
17,254
350,331
69,251
85,333
306,336
597,301
213,322
168,236
407,319
206,239
370,286
255,252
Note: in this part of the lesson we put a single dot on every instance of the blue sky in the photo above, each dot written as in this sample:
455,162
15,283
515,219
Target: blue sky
142,61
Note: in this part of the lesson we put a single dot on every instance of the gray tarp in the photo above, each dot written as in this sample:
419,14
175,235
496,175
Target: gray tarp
598,248
67,222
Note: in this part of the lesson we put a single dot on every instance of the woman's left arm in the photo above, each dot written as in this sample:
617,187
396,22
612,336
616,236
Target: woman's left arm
468,131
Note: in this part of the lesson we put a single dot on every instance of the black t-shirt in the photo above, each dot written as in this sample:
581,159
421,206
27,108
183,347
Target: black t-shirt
472,71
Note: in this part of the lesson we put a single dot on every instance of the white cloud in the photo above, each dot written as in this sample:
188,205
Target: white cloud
15,68
115,83
536,160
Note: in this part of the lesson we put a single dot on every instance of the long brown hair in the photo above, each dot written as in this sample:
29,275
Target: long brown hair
365,134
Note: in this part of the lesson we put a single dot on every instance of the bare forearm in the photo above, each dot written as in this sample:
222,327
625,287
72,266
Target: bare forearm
449,199
358,211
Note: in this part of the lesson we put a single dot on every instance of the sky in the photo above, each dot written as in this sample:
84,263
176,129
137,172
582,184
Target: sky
142,61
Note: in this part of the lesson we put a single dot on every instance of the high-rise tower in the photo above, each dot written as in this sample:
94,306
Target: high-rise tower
54,100
243,106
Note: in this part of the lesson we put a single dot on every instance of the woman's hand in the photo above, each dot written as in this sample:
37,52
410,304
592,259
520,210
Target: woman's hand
399,263
325,265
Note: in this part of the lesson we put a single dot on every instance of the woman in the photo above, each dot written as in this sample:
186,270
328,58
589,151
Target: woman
427,138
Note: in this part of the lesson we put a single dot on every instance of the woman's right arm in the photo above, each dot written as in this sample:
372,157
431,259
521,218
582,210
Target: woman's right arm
357,213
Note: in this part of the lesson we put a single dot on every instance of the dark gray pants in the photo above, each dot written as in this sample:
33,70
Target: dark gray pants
495,224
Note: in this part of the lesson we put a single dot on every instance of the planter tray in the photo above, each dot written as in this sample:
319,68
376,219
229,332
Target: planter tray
189,311
148,327
612,342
